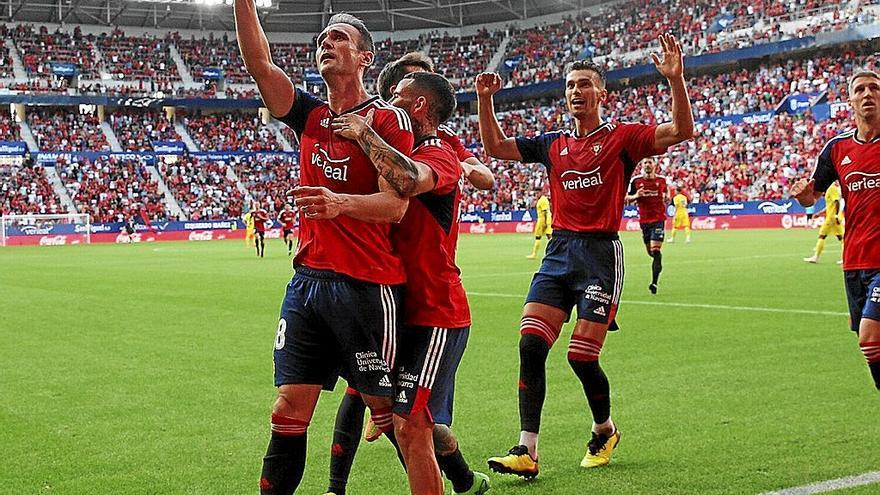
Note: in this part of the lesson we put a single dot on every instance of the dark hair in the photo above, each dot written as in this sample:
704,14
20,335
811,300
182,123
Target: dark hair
393,72
366,43
441,102
586,65
862,73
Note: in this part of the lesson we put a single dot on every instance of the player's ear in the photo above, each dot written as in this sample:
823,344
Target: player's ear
367,58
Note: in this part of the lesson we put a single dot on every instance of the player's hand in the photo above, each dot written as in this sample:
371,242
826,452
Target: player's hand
802,189
352,126
317,203
672,64
640,192
487,84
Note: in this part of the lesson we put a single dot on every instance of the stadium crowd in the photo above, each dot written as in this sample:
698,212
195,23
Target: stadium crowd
61,130
25,189
202,189
111,190
231,131
137,57
268,180
136,130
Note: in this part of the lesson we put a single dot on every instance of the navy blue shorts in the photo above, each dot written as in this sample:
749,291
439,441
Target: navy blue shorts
863,296
582,270
427,362
653,232
334,325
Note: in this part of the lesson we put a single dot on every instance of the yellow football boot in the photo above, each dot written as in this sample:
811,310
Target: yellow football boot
371,431
599,449
517,461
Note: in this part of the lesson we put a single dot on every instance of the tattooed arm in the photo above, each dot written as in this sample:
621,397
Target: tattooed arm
405,175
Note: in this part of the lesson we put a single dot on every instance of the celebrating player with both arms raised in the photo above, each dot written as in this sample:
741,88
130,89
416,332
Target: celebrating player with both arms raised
589,168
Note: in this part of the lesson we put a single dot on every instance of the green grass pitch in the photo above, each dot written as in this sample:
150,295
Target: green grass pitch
147,369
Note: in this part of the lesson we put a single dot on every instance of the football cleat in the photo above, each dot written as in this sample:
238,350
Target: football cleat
329,493
480,486
517,461
653,288
599,449
531,256
812,259
371,431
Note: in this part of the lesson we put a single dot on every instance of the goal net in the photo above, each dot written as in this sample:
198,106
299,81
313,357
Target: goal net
45,230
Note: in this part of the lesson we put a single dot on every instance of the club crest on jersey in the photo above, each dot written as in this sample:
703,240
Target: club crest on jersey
597,148
858,181
325,122
332,168
575,179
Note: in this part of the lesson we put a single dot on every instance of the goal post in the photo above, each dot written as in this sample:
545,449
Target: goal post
46,230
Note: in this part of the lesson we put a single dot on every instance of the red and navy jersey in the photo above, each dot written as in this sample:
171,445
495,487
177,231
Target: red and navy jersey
856,164
427,238
361,250
260,216
445,133
287,219
589,174
652,202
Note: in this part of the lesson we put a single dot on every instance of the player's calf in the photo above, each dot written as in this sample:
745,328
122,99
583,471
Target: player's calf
285,459
415,436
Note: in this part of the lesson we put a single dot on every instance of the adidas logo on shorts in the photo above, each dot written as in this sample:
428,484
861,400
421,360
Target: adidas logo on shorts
401,397
600,311
384,382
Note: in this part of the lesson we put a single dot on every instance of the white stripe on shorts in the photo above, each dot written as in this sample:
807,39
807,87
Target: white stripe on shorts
433,356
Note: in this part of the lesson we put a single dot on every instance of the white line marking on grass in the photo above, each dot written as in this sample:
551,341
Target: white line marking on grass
831,485
692,305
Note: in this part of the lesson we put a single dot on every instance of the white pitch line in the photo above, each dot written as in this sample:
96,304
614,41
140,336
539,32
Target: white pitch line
692,305
831,485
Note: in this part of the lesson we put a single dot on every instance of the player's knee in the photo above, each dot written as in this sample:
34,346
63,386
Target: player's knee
414,430
445,442
584,350
533,349
536,334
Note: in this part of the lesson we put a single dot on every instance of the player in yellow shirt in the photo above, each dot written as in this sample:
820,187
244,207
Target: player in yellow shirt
544,223
681,220
833,223
249,237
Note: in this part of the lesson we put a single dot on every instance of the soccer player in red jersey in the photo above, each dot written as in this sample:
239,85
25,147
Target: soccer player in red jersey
349,417
649,192
853,159
475,171
589,168
437,317
339,315
287,219
260,216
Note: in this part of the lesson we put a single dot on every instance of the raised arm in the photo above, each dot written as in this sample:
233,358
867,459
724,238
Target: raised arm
405,175
478,174
275,87
672,67
496,144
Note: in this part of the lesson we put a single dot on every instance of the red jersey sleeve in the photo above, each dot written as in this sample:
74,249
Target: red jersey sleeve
394,127
442,160
451,138
640,141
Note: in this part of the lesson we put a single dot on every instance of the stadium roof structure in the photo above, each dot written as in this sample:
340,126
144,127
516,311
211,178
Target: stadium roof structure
300,16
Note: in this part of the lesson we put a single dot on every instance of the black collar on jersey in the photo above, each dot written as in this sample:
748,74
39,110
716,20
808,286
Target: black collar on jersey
360,106
856,137
599,127
424,139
